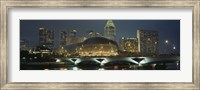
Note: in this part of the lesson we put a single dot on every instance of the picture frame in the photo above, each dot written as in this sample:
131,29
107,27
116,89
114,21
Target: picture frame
4,42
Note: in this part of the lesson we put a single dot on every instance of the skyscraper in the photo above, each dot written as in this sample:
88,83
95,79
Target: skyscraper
24,44
46,37
147,42
63,36
110,30
129,44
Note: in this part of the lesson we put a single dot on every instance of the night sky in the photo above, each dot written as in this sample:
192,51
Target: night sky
168,29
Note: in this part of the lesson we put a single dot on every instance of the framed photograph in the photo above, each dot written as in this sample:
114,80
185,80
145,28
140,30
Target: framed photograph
106,44
117,45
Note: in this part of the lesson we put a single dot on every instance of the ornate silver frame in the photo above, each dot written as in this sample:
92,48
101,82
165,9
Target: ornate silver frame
4,43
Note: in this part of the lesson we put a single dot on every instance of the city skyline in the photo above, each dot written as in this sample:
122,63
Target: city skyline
167,29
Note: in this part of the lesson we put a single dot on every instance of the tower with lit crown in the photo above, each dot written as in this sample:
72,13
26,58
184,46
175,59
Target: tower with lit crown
110,30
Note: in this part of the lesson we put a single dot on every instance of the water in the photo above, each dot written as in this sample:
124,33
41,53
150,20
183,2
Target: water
103,63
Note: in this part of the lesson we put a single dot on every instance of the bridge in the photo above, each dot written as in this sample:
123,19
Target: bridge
114,60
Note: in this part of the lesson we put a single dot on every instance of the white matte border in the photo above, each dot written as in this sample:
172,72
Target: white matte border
183,75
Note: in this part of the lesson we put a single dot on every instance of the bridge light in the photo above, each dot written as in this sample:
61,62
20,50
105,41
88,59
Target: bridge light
101,69
75,68
23,57
58,60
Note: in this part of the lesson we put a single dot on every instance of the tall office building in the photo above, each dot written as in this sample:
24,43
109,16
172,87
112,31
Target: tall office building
110,30
23,44
63,36
129,44
46,37
147,42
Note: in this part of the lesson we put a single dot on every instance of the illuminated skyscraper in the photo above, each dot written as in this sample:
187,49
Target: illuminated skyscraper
147,42
129,44
46,37
110,30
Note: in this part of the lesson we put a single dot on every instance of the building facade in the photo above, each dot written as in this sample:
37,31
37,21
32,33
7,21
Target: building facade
74,40
24,44
98,46
63,37
129,44
147,42
110,30
46,37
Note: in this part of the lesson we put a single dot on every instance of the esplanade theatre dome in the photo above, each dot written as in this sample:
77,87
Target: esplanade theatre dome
98,46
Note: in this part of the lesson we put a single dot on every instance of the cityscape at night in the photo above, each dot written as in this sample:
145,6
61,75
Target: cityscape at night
99,44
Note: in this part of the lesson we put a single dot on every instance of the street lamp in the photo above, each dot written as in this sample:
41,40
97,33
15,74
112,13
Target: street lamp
174,47
166,41
166,46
